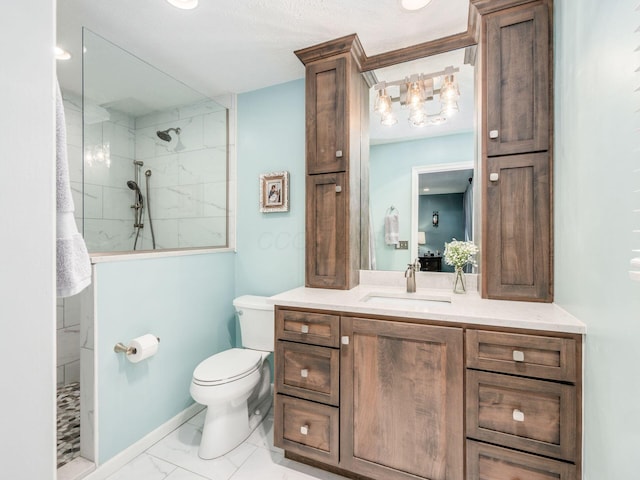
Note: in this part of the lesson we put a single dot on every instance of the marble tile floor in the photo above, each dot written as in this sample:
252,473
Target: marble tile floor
175,457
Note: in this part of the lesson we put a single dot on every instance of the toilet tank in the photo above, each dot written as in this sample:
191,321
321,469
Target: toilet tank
256,319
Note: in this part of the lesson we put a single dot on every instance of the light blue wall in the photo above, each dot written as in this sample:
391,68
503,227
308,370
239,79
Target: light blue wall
271,133
596,149
187,302
390,184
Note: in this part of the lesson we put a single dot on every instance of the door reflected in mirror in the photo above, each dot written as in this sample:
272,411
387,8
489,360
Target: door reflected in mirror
397,148
442,210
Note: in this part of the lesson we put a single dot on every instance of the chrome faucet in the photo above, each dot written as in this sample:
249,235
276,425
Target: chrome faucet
410,275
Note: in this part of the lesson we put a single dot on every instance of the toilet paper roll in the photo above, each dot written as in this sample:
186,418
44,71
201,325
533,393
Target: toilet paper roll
145,347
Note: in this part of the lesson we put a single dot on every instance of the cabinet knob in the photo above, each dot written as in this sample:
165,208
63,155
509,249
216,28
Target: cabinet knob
338,153
304,429
338,188
494,177
518,415
518,356
304,328
304,373
493,134
345,340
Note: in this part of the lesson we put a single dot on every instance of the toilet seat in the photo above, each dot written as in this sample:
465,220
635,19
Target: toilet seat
227,366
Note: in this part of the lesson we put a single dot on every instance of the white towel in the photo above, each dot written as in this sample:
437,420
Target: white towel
391,228
73,267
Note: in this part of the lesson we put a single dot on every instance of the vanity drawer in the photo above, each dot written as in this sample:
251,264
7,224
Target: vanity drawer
549,358
314,328
307,428
308,371
496,463
525,414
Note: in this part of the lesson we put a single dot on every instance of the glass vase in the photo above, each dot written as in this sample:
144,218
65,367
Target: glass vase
458,283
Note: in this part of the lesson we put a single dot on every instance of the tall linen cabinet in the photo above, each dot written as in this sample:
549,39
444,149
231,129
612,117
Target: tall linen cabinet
337,163
517,124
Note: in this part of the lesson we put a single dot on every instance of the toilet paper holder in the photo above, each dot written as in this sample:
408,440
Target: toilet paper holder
122,348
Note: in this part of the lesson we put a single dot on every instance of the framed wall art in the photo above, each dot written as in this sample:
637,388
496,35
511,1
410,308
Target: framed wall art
274,192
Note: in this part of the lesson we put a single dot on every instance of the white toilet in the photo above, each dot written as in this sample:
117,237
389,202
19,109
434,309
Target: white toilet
235,385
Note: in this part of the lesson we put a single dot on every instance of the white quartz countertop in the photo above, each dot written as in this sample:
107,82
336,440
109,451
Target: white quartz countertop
466,308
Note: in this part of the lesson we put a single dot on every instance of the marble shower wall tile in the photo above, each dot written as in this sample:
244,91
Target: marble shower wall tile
188,175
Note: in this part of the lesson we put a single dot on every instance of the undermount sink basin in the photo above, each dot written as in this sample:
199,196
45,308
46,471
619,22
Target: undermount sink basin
406,299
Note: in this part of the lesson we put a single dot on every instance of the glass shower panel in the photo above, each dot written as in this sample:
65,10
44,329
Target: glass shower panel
155,157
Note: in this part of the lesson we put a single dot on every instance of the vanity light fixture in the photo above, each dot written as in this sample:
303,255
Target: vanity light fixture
413,5
61,54
413,92
435,219
383,102
184,4
388,119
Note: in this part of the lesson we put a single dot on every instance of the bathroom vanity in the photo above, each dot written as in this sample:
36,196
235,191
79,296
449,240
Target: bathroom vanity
374,383
420,387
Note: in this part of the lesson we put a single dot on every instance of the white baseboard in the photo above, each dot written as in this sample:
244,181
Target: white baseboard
124,457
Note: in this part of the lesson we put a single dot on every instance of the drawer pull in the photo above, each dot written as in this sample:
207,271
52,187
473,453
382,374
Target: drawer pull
518,415
304,373
494,134
518,356
304,430
304,328
345,340
338,153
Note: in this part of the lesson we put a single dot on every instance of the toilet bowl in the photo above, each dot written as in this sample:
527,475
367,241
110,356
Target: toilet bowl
235,384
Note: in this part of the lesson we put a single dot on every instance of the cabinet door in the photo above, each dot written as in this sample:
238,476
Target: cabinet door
517,80
516,258
326,219
401,405
326,84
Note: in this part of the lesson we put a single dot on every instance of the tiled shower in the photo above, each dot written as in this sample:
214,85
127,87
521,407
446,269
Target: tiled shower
184,183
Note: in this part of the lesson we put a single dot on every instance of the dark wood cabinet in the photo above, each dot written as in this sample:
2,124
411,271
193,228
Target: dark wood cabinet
327,246
430,263
401,400
517,225
406,397
307,384
523,393
516,43
327,138
337,158
517,82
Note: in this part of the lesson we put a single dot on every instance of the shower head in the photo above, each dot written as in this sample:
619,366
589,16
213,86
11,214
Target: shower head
134,186
164,134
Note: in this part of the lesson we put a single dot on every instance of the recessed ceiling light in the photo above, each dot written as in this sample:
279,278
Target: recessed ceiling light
62,54
413,5
186,4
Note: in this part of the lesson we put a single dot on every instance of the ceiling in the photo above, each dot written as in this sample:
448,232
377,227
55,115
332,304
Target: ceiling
439,183
235,46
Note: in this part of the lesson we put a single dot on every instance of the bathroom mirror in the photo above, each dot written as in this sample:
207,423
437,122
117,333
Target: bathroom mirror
402,155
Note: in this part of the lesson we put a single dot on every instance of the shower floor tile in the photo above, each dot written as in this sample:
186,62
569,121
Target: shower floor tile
68,431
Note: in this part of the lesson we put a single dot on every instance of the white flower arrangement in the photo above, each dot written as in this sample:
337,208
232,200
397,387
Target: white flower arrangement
458,254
